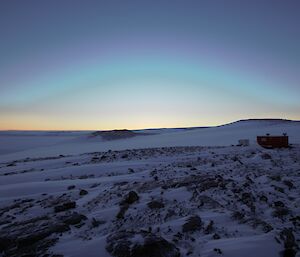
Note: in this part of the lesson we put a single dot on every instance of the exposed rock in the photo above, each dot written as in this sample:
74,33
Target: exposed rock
289,242
258,223
209,228
156,205
289,253
288,238
131,197
202,183
65,206
280,212
97,223
170,213
205,201
278,204
73,218
216,236
5,242
125,244
218,250
193,224
238,215
122,211
30,237
266,156
83,192
289,184
263,198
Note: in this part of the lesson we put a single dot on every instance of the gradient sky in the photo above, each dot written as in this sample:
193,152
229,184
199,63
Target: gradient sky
140,64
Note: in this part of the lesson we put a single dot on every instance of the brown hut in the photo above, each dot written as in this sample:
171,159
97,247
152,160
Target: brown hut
273,141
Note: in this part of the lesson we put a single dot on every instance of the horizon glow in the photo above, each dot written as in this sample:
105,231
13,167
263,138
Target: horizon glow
110,65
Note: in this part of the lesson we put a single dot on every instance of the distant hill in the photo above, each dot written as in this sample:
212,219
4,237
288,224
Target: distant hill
116,134
262,121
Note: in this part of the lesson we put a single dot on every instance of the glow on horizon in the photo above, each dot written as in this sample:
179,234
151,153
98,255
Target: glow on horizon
138,93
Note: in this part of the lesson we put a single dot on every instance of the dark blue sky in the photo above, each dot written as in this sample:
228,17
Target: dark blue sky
199,62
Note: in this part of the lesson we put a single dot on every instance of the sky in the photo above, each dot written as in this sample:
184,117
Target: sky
87,65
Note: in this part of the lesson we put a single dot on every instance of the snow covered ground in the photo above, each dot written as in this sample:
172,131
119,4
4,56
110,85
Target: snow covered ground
184,192
16,145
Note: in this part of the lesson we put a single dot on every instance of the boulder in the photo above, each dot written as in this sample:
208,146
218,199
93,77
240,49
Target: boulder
155,205
65,206
130,198
193,224
140,244
83,192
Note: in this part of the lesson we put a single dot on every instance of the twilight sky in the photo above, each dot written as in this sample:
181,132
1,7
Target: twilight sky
67,64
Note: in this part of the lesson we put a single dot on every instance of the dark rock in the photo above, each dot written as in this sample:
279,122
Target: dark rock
206,201
216,236
266,156
130,170
156,205
263,198
118,244
131,197
296,221
278,204
31,237
288,238
155,246
218,250
280,212
247,198
275,177
122,244
279,189
42,233
193,224
59,228
289,253
83,192
289,184
65,206
5,243
73,219
97,223
170,213
258,223
209,228
122,211
71,187
238,215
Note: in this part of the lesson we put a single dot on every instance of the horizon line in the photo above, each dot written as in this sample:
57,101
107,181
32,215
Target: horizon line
153,128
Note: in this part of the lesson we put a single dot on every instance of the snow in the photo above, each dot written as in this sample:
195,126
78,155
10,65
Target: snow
76,143
190,171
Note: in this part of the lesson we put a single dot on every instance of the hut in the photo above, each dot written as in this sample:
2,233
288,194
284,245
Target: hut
268,141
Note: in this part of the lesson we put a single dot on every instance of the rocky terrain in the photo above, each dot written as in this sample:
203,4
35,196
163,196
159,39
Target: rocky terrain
162,202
